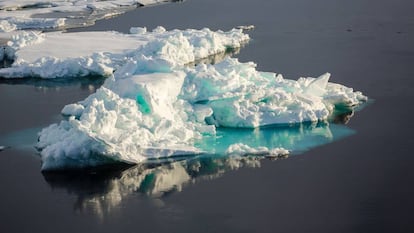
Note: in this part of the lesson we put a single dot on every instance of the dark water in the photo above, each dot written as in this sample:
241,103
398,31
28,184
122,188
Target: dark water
361,183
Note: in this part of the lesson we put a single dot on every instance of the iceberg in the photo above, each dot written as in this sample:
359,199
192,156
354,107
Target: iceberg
59,14
155,105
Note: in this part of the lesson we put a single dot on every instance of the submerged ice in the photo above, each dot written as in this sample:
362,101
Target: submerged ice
102,191
156,106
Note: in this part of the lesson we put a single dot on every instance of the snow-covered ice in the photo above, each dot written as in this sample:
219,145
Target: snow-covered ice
36,14
154,105
58,54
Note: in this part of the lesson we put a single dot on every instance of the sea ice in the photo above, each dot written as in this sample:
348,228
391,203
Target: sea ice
35,14
58,54
154,106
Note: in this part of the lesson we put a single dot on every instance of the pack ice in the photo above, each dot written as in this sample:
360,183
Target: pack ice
35,14
154,105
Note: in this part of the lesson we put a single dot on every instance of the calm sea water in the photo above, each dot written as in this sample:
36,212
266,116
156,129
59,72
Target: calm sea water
361,183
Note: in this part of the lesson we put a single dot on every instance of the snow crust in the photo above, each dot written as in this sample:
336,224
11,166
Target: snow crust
153,106
58,54
35,14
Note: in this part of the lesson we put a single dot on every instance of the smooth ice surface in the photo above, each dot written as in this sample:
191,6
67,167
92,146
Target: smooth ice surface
57,54
154,106
35,14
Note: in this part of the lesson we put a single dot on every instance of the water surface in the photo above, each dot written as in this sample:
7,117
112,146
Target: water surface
361,183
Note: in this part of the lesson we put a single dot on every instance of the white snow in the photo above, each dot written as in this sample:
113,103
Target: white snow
41,14
58,54
6,26
242,149
155,106
73,109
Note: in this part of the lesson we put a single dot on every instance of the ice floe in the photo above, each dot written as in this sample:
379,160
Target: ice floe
154,106
58,54
35,14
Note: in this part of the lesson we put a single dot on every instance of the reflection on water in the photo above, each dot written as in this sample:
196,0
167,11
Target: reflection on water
90,83
218,57
100,190
343,117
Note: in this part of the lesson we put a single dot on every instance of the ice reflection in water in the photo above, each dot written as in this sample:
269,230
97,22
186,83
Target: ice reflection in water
90,83
101,189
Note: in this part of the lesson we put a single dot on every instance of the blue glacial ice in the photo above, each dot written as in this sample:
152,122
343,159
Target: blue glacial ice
154,105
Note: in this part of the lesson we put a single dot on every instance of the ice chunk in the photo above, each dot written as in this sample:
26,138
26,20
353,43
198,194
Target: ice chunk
6,26
240,96
73,110
138,30
139,116
317,87
156,106
154,92
246,27
242,149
